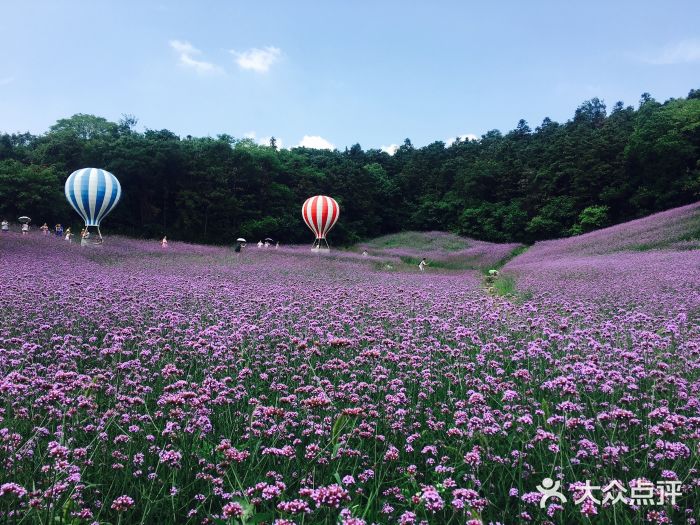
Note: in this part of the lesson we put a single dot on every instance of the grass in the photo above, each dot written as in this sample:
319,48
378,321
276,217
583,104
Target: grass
504,285
425,240
450,264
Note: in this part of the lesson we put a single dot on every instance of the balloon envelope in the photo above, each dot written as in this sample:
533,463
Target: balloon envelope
93,193
320,214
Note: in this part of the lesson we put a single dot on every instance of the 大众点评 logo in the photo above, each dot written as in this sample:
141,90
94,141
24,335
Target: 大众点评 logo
641,492
550,489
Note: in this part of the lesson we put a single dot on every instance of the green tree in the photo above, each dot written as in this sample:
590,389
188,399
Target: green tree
32,191
596,169
591,218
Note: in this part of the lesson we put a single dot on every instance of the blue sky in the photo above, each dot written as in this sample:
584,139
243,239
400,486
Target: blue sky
338,72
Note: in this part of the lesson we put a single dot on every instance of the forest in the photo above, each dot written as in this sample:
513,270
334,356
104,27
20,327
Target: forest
601,167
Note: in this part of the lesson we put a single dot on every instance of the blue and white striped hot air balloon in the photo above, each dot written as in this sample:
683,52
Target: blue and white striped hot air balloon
93,193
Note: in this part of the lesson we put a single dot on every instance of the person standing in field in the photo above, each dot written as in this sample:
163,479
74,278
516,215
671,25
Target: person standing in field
422,265
260,244
5,226
59,230
164,242
25,228
68,235
45,229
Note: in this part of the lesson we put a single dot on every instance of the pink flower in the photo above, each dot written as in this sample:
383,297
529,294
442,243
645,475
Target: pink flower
122,503
392,454
330,496
588,508
468,498
232,510
171,458
431,498
13,488
473,458
296,506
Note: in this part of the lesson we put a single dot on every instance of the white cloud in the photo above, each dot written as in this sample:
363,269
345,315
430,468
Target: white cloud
679,53
258,60
186,52
390,149
466,136
184,48
7,80
315,142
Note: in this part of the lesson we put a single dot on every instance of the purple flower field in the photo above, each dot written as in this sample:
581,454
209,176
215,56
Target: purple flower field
652,263
191,385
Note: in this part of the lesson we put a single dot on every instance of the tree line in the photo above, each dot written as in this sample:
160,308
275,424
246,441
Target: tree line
599,168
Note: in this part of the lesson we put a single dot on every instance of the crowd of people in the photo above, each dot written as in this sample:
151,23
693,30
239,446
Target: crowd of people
66,234
46,230
267,244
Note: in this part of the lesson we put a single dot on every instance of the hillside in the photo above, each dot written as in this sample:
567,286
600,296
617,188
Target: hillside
442,249
677,229
647,261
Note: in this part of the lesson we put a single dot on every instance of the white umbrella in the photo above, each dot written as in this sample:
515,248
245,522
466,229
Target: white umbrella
241,239
24,219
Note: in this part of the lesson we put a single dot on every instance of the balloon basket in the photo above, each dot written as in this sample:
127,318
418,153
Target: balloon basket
320,246
92,237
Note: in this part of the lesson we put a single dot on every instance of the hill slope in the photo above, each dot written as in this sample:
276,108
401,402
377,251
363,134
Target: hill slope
676,229
442,250
651,261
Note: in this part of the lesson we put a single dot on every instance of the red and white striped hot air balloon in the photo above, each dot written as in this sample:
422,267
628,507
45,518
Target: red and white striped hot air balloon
320,214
